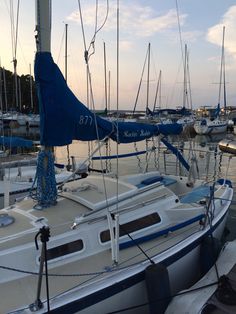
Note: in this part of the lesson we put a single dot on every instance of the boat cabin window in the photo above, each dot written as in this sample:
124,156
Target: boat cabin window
65,249
133,226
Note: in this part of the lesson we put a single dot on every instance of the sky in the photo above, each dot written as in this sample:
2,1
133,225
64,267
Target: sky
166,24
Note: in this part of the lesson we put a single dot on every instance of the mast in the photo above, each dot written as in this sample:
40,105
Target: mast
43,25
148,76
46,185
31,89
1,97
14,37
141,79
19,94
189,85
66,32
5,89
1,89
158,90
109,91
105,76
222,68
224,83
185,92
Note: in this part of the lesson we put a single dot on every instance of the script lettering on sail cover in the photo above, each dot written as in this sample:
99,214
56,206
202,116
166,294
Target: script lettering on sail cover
140,133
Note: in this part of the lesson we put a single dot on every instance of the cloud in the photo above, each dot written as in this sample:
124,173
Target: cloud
135,19
126,45
215,33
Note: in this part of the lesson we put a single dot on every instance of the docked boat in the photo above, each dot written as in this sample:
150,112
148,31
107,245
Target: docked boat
85,247
17,177
33,120
217,123
187,123
17,170
208,126
228,146
215,292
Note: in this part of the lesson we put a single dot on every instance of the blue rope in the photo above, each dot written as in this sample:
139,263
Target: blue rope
44,189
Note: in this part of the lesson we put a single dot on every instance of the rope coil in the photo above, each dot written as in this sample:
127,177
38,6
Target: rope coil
44,189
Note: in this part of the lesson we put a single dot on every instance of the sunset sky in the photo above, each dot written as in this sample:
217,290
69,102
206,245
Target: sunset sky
140,22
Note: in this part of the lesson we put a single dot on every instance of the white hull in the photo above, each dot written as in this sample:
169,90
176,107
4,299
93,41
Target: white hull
33,121
175,244
187,124
207,126
182,273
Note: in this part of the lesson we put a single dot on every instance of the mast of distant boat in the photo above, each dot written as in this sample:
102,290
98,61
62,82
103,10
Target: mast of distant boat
148,77
222,73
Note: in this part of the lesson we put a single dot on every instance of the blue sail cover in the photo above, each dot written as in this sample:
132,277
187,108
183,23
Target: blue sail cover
14,141
63,118
129,132
170,128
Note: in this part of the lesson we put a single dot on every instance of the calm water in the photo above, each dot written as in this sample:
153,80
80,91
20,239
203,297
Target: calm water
200,151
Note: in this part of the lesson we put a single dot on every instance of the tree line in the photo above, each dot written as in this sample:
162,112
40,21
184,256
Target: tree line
17,93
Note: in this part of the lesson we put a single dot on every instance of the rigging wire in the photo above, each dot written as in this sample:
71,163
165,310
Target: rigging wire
14,39
140,82
87,56
180,35
96,30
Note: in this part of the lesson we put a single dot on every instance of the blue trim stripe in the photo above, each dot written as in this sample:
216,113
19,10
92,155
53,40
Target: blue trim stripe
216,126
101,295
119,156
161,233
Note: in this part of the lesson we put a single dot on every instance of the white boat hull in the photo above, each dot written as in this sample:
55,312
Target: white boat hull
127,289
107,287
210,127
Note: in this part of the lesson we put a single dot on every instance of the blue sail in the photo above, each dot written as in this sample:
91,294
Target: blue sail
63,118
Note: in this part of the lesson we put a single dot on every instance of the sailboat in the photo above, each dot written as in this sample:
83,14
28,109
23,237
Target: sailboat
215,124
87,247
187,119
17,169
